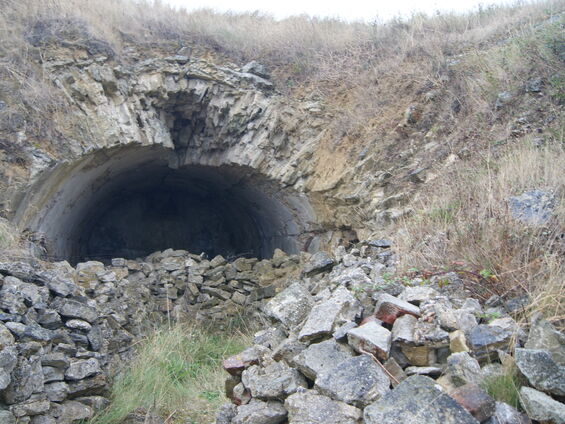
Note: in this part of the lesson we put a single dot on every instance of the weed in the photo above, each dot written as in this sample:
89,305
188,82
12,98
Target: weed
503,388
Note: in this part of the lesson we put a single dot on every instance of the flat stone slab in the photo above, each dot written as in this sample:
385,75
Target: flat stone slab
371,337
318,263
357,381
312,408
417,400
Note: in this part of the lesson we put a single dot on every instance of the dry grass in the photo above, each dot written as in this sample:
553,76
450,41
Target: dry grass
466,220
298,49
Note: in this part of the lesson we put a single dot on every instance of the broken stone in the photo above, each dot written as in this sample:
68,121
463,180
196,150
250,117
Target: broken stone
290,306
259,412
403,329
318,263
357,381
372,338
311,408
541,370
321,356
544,336
463,369
417,399
73,309
505,414
542,407
79,370
389,308
457,342
395,370
485,339
237,363
418,294
321,320
57,392
475,400
275,381
431,371
30,407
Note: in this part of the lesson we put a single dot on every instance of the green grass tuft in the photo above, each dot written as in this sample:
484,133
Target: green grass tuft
176,373
504,388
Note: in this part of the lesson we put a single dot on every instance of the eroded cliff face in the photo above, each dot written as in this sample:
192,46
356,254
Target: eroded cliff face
167,141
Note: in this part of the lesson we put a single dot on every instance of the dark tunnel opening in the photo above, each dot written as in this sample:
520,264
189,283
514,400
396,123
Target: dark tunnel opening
130,201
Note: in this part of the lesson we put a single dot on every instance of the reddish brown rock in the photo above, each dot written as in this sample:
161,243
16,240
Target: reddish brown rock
475,400
389,308
236,364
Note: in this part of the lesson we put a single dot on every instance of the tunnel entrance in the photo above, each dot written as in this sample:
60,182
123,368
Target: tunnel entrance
132,201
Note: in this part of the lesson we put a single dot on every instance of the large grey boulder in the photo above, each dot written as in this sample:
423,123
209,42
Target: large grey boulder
290,306
357,381
533,207
542,407
259,412
541,370
417,400
312,408
321,356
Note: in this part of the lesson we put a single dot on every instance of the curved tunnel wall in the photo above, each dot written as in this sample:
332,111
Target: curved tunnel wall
128,202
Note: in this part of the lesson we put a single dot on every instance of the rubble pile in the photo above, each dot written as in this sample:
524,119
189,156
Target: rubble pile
349,345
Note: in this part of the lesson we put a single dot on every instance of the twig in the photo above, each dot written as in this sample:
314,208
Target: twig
170,416
374,358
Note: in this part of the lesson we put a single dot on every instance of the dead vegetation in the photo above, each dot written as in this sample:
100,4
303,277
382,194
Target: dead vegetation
466,223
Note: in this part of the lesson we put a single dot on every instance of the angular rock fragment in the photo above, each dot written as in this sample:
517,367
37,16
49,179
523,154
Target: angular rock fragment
276,381
312,408
259,412
542,407
475,400
389,308
342,306
321,356
318,263
79,370
417,400
290,306
372,338
463,369
357,381
541,370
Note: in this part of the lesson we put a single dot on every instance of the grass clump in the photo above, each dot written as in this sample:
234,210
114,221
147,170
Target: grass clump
503,388
176,374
